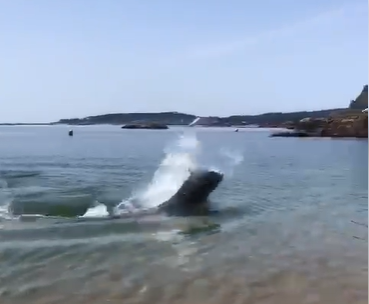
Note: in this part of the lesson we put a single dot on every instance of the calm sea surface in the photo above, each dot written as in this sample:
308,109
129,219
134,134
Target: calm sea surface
291,226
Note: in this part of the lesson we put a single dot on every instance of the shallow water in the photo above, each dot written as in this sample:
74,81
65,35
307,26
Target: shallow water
291,226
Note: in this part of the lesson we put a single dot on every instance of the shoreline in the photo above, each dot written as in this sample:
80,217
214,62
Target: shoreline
176,118
302,280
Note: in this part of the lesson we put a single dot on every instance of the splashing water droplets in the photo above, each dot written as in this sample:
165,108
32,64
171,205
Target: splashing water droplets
172,172
180,158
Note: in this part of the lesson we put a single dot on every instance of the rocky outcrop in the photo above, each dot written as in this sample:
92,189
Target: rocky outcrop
312,126
347,125
150,126
350,122
361,102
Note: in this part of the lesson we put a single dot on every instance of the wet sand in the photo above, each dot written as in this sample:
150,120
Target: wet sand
331,286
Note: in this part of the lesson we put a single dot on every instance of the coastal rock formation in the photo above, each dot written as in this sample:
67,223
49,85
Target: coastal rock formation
350,122
361,102
347,125
312,126
150,126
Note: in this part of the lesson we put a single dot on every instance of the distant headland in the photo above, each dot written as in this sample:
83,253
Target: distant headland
176,118
337,117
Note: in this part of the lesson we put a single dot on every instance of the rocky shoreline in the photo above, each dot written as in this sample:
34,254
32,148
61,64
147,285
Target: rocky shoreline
351,122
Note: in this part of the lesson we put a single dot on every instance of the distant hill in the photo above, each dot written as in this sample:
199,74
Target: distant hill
278,117
175,118
168,118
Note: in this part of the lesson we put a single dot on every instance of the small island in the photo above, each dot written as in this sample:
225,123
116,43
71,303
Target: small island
151,126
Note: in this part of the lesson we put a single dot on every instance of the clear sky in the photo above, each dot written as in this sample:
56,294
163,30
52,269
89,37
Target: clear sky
75,58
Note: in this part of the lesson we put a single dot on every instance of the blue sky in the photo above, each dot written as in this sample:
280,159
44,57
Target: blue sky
75,58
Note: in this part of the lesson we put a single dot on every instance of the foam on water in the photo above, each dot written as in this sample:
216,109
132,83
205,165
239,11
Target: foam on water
99,210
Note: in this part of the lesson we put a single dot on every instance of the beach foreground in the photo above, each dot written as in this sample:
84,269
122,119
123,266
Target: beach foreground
291,225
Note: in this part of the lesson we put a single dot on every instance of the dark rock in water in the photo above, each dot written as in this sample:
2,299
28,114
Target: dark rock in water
289,134
151,126
191,198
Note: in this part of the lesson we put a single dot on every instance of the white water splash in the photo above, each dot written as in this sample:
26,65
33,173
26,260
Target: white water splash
180,157
4,212
174,169
99,210
233,158
5,199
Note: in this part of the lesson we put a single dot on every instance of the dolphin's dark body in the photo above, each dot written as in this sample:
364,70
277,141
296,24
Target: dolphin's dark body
191,198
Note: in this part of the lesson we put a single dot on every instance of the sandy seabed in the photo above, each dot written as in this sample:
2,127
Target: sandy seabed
285,287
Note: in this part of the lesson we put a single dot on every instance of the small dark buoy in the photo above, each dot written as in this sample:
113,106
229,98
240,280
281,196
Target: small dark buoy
70,133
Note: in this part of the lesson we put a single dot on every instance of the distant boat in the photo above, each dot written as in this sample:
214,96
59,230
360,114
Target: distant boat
236,130
70,133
